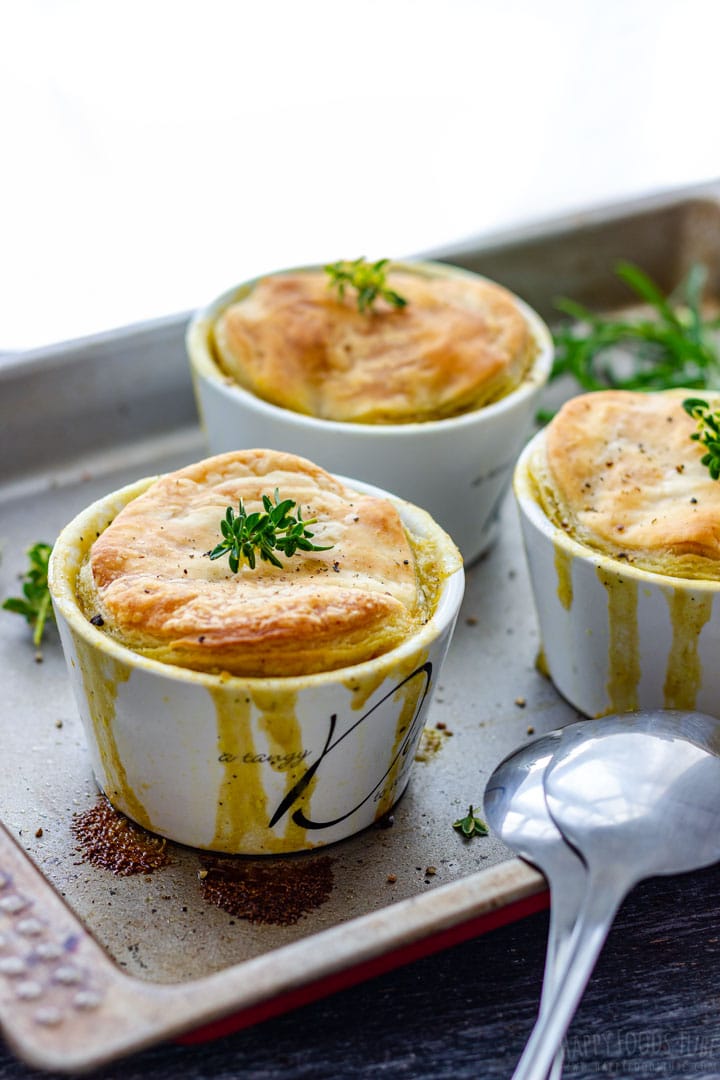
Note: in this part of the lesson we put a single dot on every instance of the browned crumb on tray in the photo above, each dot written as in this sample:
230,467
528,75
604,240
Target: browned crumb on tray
108,839
276,893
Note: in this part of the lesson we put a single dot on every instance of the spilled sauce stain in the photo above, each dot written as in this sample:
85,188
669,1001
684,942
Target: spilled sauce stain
431,742
243,807
363,688
410,699
409,696
102,677
276,893
623,644
259,732
683,675
278,721
108,839
563,569
242,804
541,664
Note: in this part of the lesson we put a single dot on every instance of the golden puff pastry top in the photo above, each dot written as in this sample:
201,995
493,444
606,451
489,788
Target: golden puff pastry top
621,474
149,583
459,343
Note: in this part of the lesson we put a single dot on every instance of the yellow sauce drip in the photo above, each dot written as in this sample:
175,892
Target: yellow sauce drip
279,722
688,615
241,820
362,690
102,677
541,663
623,645
394,781
563,568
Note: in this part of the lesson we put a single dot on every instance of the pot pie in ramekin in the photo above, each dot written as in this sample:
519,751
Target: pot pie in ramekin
432,400
458,343
621,522
269,710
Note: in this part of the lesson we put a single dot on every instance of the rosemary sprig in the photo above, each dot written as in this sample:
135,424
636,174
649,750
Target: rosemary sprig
275,530
368,279
708,432
34,604
671,348
471,825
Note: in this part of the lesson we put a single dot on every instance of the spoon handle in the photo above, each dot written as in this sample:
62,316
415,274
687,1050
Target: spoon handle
559,932
567,899
564,907
601,903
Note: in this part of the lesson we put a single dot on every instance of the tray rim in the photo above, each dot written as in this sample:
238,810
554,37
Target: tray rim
144,1012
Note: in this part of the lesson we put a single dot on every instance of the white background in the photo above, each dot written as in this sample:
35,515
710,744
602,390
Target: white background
155,152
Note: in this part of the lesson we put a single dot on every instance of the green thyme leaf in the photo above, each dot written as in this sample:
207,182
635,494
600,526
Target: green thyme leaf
245,535
708,432
471,825
34,605
369,280
674,346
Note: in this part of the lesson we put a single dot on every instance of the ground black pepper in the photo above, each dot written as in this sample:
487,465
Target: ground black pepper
109,840
276,893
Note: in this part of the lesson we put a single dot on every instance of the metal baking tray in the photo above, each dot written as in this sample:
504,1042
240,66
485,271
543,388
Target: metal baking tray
94,965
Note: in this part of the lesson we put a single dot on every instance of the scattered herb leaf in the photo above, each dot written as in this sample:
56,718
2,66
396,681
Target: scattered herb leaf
368,279
34,605
471,825
708,432
275,530
672,347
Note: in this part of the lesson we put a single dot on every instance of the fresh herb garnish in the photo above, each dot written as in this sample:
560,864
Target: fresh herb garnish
275,530
368,280
708,432
471,825
34,605
671,348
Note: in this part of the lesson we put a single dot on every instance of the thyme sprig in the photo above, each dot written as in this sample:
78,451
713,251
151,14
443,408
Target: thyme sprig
708,432
471,825
368,279
672,347
34,604
274,530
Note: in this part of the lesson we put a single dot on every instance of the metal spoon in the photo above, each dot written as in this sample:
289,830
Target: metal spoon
637,795
516,811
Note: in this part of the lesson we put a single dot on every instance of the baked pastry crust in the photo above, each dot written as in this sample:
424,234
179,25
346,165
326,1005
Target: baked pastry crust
621,474
148,578
459,343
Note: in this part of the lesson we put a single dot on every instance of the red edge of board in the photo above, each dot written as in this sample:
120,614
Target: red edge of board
368,969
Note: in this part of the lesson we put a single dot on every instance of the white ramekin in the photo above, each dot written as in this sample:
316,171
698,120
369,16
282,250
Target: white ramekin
457,469
616,638
249,765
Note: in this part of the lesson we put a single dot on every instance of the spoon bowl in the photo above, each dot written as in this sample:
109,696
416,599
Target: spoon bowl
636,795
643,787
516,810
514,801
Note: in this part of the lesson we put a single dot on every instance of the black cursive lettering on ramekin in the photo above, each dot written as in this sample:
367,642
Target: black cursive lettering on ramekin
283,762
292,796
